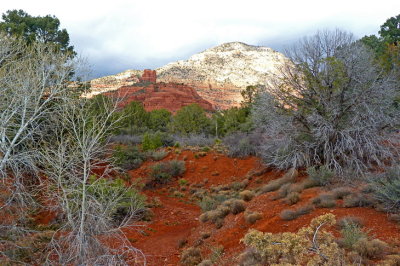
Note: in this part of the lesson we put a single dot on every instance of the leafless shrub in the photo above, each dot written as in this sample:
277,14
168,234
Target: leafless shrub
194,140
70,159
330,105
243,144
33,79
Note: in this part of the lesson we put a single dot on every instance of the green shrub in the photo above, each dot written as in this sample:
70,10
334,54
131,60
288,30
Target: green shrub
128,157
351,233
387,189
151,141
159,155
129,200
161,173
322,174
190,119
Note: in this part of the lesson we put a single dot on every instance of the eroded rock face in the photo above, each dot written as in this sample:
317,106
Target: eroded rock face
149,76
170,96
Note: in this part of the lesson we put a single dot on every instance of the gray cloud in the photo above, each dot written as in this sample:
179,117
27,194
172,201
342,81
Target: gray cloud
124,34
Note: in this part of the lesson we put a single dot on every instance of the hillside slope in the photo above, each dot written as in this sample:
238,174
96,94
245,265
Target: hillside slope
218,74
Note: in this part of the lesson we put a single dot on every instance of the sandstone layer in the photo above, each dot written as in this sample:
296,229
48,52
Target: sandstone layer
153,95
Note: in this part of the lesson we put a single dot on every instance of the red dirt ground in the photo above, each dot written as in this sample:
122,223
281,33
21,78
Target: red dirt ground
177,219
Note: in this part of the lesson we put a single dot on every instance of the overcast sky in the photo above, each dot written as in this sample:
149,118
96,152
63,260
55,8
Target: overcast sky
116,35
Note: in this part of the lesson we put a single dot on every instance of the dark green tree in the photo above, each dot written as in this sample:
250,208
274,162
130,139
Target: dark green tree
390,30
134,117
190,119
236,119
249,95
386,46
159,119
42,29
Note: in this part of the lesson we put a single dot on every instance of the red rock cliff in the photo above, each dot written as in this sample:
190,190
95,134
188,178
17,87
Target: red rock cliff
170,96
149,75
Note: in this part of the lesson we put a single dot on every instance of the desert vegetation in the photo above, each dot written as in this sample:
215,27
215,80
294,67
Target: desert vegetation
89,182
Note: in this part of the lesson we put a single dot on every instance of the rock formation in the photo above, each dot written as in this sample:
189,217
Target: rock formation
170,96
149,76
218,74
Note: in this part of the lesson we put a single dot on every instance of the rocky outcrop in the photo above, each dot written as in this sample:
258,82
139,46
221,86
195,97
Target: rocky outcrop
218,74
170,96
149,76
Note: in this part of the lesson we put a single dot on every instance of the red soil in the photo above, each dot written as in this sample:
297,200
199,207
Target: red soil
177,219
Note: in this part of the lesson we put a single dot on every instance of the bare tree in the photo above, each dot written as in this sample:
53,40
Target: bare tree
329,106
47,131
32,78
88,201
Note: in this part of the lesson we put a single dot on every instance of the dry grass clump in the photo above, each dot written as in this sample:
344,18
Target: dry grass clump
218,214
395,217
274,185
252,217
289,215
346,220
236,206
309,183
191,257
357,200
246,195
306,209
286,189
372,249
292,198
324,201
341,192
392,260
